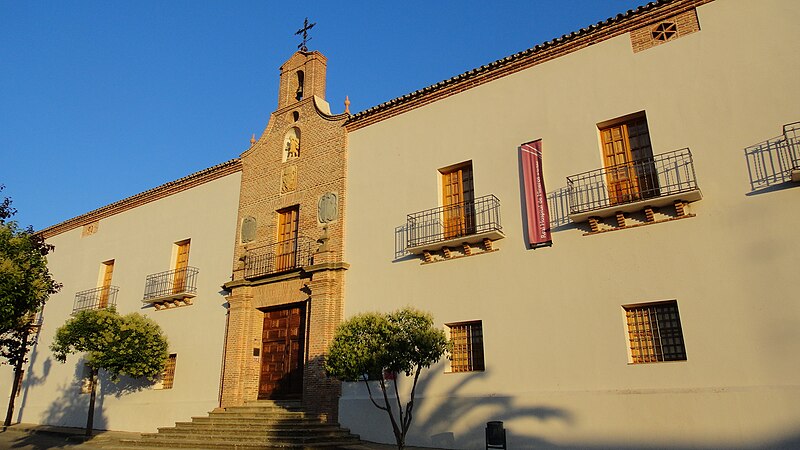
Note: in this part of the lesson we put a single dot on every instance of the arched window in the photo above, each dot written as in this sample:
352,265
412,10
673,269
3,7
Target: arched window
300,80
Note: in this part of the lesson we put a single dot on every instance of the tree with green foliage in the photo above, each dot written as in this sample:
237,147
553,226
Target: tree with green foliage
25,286
374,345
131,345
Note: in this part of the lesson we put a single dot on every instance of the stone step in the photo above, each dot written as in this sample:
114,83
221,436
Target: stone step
269,409
262,413
251,418
255,425
290,433
270,405
208,445
260,424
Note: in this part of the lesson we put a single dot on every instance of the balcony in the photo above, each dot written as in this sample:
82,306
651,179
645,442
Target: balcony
454,225
97,298
775,160
656,181
171,286
278,257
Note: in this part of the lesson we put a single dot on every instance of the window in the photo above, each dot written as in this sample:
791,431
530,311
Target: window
628,159
467,352
288,222
300,82
458,200
168,376
107,271
665,31
654,332
181,265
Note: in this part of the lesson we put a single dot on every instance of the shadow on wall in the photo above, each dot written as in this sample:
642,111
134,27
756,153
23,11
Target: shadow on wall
558,207
71,407
438,415
771,164
438,420
31,379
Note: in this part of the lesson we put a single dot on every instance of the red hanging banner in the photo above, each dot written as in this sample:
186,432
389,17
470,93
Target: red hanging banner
535,196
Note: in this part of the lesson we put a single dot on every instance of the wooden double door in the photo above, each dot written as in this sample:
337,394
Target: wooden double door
282,353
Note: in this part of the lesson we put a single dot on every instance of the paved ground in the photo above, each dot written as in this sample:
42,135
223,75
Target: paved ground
37,437
23,436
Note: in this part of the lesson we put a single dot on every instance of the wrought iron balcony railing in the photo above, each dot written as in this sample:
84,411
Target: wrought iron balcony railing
97,298
459,222
775,160
171,285
278,257
657,179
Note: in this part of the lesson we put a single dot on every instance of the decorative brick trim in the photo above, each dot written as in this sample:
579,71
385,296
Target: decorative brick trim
649,215
650,13
679,25
157,193
620,219
636,225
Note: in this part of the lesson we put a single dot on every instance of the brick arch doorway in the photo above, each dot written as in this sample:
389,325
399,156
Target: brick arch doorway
282,352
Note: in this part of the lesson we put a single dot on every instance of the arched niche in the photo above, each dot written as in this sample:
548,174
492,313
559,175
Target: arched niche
291,144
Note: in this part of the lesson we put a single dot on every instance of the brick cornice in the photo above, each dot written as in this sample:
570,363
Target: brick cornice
165,190
568,43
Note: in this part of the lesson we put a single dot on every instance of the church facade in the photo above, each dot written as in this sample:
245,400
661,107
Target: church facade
604,226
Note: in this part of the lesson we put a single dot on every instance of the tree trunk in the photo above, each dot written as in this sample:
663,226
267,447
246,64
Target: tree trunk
90,419
10,412
17,377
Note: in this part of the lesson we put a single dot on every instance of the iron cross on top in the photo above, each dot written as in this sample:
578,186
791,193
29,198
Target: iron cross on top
304,32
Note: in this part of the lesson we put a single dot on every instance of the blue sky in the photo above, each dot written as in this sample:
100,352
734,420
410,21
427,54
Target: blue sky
100,100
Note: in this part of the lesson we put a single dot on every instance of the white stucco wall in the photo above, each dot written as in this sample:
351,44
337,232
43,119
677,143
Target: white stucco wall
141,241
555,340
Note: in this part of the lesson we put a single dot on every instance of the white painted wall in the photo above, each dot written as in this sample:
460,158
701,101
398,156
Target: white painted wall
557,369
140,241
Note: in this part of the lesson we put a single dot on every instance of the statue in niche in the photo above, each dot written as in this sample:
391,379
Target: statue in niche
328,208
292,148
291,144
289,179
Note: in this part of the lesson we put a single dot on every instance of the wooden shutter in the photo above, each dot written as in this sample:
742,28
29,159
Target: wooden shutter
168,377
288,223
181,263
108,273
655,333
620,171
644,340
458,202
467,341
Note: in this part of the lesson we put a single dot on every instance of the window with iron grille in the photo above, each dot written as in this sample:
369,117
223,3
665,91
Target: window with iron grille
168,377
654,332
467,352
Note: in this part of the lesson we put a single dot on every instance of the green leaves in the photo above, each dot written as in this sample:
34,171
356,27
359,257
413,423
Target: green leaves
372,343
25,281
131,345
